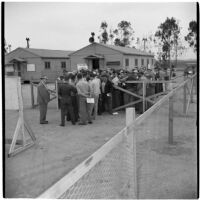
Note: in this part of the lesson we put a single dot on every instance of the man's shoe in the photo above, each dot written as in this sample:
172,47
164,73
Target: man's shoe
62,125
81,123
44,122
90,122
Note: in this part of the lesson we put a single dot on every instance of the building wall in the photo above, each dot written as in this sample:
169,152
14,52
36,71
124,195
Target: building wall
77,59
132,59
40,70
31,59
108,54
55,67
33,75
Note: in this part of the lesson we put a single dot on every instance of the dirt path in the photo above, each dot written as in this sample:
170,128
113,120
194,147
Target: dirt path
164,171
57,151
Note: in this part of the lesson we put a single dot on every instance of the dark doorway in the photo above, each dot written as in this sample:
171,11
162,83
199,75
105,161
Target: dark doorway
19,69
95,64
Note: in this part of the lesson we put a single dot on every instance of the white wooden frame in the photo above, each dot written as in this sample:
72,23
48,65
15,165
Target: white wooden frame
21,123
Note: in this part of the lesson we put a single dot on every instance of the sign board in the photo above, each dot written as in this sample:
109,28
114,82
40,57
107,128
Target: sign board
90,100
149,66
12,93
30,67
9,68
82,66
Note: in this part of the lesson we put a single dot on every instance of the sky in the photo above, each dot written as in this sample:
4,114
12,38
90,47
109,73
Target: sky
67,26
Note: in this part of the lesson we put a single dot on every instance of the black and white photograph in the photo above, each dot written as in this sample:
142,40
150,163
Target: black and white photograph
100,100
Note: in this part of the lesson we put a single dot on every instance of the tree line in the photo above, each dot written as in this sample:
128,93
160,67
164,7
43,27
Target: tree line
166,40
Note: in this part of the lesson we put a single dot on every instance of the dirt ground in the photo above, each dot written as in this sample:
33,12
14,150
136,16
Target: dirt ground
164,171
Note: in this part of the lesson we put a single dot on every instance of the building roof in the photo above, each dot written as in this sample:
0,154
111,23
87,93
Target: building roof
47,53
127,50
17,59
94,56
123,50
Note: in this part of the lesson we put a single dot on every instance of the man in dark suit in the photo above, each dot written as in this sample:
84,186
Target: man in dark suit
65,92
107,93
43,98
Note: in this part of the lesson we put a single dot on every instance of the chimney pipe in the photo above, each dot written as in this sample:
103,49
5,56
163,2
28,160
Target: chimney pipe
27,40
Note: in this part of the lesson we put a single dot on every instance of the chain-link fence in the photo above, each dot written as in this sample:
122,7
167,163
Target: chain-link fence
108,173
166,147
163,143
112,177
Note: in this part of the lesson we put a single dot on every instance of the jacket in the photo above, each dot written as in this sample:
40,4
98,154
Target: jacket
43,95
65,92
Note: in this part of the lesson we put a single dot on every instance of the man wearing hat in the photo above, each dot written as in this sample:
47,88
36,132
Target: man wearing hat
65,93
43,98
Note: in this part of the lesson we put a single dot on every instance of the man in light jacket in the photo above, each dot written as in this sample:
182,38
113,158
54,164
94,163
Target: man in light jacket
95,86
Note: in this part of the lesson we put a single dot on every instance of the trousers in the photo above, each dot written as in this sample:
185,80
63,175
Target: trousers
96,101
84,110
67,108
43,112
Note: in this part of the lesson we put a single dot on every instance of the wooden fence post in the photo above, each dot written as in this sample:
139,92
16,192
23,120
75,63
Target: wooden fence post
170,129
190,99
144,95
32,94
192,92
57,94
195,84
184,97
130,117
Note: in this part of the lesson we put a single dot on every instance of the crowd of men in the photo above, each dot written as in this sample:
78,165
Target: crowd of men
84,94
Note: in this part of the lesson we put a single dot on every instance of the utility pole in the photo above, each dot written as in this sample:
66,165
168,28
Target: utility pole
176,54
145,40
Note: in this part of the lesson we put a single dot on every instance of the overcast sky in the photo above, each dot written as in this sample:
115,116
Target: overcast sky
67,26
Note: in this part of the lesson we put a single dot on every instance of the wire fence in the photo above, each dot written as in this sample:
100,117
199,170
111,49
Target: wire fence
166,147
111,177
108,173
162,141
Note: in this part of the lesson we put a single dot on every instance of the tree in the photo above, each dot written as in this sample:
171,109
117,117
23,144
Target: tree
7,47
168,34
104,35
191,37
121,36
124,34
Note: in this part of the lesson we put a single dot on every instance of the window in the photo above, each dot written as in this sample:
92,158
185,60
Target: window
116,63
147,62
63,65
126,62
142,62
47,65
152,61
136,62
